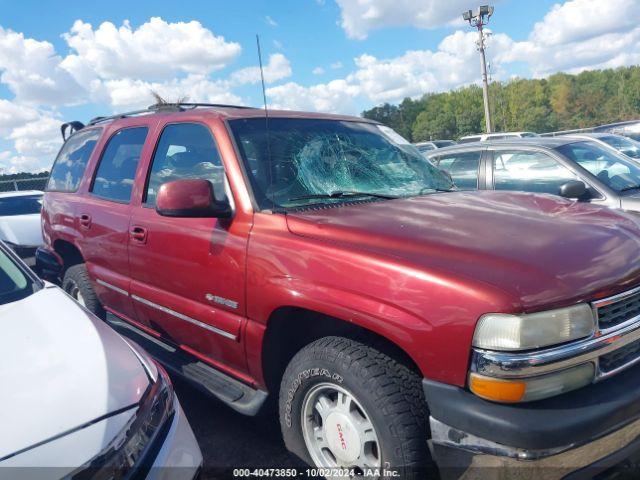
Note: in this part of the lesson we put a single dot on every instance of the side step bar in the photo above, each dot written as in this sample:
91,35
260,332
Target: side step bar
237,395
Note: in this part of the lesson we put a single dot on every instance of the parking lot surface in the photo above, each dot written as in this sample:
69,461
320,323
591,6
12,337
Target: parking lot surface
230,440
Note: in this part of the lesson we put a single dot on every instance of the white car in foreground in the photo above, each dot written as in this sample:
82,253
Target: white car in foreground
77,399
20,226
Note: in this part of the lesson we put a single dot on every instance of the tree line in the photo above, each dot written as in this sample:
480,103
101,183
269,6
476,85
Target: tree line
23,176
559,102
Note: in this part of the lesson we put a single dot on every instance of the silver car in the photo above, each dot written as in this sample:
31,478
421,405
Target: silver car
78,400
577,168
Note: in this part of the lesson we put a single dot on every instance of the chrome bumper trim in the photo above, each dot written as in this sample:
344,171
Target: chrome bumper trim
531,464
528,364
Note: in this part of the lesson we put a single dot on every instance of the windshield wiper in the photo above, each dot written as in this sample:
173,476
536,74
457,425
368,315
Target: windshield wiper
343,194
632,187
432,189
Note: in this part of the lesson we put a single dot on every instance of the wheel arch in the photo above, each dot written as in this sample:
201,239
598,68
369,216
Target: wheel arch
290,328
69,253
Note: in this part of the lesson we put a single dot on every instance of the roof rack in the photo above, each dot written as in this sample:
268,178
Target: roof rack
163,107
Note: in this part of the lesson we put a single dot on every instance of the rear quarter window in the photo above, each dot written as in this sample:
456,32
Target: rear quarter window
72,160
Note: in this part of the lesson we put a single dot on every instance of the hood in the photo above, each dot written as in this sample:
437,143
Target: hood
21,229
61,368
541,250
630,202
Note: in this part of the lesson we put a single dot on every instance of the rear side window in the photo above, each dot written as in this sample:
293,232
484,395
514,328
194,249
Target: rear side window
118,165
72,160
463,168
185,151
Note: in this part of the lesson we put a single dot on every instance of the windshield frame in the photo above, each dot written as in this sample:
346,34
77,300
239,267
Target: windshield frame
344,200
34,283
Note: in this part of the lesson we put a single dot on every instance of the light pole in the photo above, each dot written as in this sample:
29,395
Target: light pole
478,19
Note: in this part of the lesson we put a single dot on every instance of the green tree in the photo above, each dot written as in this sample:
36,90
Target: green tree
560,102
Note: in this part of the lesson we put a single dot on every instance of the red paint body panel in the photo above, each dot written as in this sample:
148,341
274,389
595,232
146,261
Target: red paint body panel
419,271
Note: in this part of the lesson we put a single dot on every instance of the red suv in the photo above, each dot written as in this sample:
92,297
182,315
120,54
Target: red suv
320,261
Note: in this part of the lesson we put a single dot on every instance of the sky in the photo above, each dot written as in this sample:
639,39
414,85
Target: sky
62,61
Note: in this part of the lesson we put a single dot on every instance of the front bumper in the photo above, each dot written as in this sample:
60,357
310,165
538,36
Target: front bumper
179,456
576,435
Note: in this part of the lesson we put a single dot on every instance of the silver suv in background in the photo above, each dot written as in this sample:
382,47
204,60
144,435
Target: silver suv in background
79,400
581,169
483,137
433,145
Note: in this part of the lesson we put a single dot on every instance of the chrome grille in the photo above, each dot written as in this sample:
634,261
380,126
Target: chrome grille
620,358
618,310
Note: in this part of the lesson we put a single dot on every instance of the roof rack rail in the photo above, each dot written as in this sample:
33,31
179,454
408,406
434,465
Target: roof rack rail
163,107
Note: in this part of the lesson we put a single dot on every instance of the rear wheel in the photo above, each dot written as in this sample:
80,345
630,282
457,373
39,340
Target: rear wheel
77,284
347,406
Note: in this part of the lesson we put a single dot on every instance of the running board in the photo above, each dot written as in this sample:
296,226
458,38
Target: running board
237,395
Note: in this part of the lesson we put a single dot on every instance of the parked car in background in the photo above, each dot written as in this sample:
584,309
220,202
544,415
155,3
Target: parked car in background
629,129
582,169
78,400
625,145
320,260
20,225
482,137
433,144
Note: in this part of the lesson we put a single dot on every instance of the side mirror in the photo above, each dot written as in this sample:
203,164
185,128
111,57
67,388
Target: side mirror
190,198
573,189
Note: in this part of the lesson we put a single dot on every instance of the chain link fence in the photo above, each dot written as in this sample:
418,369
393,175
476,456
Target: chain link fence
23,184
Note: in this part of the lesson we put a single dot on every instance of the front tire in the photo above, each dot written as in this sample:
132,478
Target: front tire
77,284
345,405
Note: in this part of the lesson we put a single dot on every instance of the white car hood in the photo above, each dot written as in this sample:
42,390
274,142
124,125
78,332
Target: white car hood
60,368
21,229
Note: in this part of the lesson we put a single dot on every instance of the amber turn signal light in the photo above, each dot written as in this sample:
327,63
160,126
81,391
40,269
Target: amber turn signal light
497,390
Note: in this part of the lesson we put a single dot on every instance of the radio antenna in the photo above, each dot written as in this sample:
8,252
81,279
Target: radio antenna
266,123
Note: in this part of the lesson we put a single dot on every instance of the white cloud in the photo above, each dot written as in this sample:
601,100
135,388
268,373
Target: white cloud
318,71
37,138
336,65
276,69
10,163
14,115
579,35
359,17
270,21
579,20
155,50
391,80
127,93
335,96
31,70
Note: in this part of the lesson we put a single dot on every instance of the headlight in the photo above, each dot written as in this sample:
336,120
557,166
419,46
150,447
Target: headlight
499,331
533,388
128,451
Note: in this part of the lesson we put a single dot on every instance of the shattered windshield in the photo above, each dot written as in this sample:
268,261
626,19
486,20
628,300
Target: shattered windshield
309,161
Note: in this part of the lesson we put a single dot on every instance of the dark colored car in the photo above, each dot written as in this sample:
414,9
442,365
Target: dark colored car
319,260
579,168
